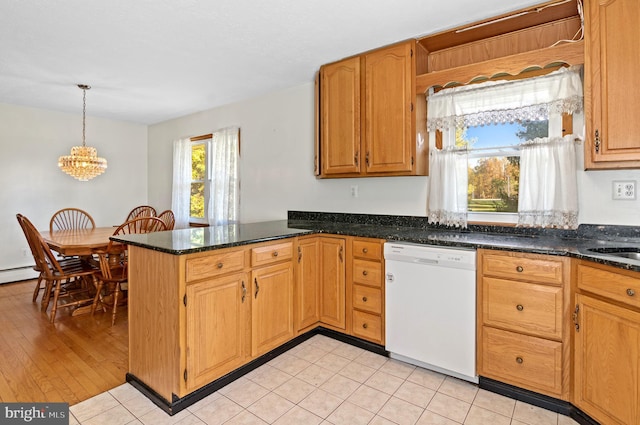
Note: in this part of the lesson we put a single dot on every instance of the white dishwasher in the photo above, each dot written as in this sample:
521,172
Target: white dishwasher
430,307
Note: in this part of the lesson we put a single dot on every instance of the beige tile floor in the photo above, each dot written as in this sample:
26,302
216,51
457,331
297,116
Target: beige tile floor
324,381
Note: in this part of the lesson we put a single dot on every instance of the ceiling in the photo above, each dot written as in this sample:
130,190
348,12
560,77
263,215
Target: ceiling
153,60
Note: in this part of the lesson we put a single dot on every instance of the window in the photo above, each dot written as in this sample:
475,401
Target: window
206,187
494,164
199,182
501,151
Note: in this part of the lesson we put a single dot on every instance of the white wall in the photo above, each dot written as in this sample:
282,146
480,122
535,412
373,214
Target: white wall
31,140
277,134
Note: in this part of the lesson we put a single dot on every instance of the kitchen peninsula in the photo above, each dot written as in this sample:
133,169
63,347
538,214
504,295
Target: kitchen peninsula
190,289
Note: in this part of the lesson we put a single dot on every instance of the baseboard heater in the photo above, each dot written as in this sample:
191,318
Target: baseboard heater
17,274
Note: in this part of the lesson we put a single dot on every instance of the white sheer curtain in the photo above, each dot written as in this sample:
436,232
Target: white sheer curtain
544,97
224,200
448,176
181,192
549,198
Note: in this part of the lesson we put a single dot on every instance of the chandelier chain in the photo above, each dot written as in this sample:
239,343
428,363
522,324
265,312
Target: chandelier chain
84,111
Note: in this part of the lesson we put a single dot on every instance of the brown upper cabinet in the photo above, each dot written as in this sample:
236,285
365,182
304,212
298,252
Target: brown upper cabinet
371,122
612,64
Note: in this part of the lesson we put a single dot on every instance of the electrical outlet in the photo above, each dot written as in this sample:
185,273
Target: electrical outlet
354,191
624,189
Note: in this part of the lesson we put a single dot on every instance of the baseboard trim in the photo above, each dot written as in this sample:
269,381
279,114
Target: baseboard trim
17,274
178,404
555,405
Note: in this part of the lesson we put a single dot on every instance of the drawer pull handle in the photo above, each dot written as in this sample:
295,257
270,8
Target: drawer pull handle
364,299
519,269
275,253
631,292
365,250
519,360
520,307
364,273
364,325
219,265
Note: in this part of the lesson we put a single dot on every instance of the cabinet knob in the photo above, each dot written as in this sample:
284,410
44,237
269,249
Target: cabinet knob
219,265
631,292
364,272
364,325
519,269
520,307
519,360
364,299
365,250
275,253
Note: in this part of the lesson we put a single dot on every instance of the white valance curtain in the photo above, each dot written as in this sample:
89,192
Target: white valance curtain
499,102
224,200
180,194
544,97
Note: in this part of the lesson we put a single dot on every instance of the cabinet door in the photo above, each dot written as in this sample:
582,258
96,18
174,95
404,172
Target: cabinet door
332,276
216,315
612,64
272,307
389,125
607,357
307,297
340,117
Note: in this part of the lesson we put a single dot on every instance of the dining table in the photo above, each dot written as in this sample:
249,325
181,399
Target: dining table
82,243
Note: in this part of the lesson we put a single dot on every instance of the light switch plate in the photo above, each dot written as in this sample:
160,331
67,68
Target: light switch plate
624,189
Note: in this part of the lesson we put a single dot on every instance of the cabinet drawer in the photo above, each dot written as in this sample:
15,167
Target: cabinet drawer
521,306
616,286
271,253
367,272
367,299
523,267
214,265
367,249
367,326
524,361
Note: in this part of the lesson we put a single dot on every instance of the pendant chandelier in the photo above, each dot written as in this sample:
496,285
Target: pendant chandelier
83,163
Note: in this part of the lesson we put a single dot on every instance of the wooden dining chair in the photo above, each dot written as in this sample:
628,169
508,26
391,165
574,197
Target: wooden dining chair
71,218
112,277
69,282
141,211
169,219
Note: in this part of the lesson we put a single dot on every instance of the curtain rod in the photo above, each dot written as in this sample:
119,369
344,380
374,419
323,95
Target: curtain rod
515,15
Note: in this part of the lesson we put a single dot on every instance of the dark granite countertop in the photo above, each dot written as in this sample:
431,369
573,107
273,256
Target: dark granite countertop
198,239
574,243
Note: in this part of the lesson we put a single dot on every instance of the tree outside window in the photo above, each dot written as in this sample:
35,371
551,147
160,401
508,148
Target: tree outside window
198,180
494,175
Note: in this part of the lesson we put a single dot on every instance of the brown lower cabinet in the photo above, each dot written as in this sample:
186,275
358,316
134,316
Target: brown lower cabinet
607,344
523,337
195,318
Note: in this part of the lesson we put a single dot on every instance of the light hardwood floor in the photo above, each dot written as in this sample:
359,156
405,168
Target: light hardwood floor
69,361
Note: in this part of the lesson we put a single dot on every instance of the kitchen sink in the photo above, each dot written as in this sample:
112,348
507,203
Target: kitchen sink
624,252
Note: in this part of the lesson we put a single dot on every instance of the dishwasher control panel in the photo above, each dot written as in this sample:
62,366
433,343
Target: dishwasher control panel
464,258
